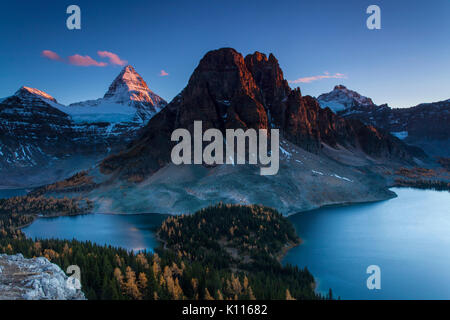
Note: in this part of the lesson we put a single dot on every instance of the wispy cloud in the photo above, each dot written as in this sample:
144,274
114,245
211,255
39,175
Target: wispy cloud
51,55
325,75
85,61
163,73
113,58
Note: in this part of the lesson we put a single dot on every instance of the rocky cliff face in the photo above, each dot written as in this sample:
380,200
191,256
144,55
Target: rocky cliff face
34,279
228,91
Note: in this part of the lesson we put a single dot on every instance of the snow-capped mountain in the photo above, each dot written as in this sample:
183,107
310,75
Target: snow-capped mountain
42,140
342,98
32,131
127,99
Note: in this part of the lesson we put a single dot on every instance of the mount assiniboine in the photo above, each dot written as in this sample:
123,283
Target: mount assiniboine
43,141
127,99
324,158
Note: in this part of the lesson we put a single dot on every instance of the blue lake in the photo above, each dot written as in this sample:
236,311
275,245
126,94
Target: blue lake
407,237
132,232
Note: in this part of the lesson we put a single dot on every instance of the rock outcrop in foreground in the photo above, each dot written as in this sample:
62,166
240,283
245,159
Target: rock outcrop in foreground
34,279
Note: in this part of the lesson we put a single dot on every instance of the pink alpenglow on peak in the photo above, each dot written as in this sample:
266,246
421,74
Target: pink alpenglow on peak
127,94
129,85
27,91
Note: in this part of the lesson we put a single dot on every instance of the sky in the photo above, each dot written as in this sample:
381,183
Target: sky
318,43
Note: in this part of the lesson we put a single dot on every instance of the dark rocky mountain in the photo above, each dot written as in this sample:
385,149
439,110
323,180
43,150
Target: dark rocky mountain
426,125
228,91
43,141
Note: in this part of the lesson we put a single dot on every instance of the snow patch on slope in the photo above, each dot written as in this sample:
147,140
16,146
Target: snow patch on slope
400,134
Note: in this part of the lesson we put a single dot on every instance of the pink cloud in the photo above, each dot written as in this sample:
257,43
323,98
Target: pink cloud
85,61
113,58
162,73
325,75
51,55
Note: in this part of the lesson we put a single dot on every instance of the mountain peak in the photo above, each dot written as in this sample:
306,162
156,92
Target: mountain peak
130,88
128,84
27,92
342,98
216,60
128,73
127,90
340,87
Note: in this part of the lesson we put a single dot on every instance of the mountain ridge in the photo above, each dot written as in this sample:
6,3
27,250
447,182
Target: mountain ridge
425,125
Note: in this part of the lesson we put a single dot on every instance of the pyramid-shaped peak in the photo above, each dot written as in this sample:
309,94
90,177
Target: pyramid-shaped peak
128,69
129,74
131,89
127,81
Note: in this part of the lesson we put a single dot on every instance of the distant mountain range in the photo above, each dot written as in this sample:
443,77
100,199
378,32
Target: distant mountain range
120,145
43,140
426,125
324,158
